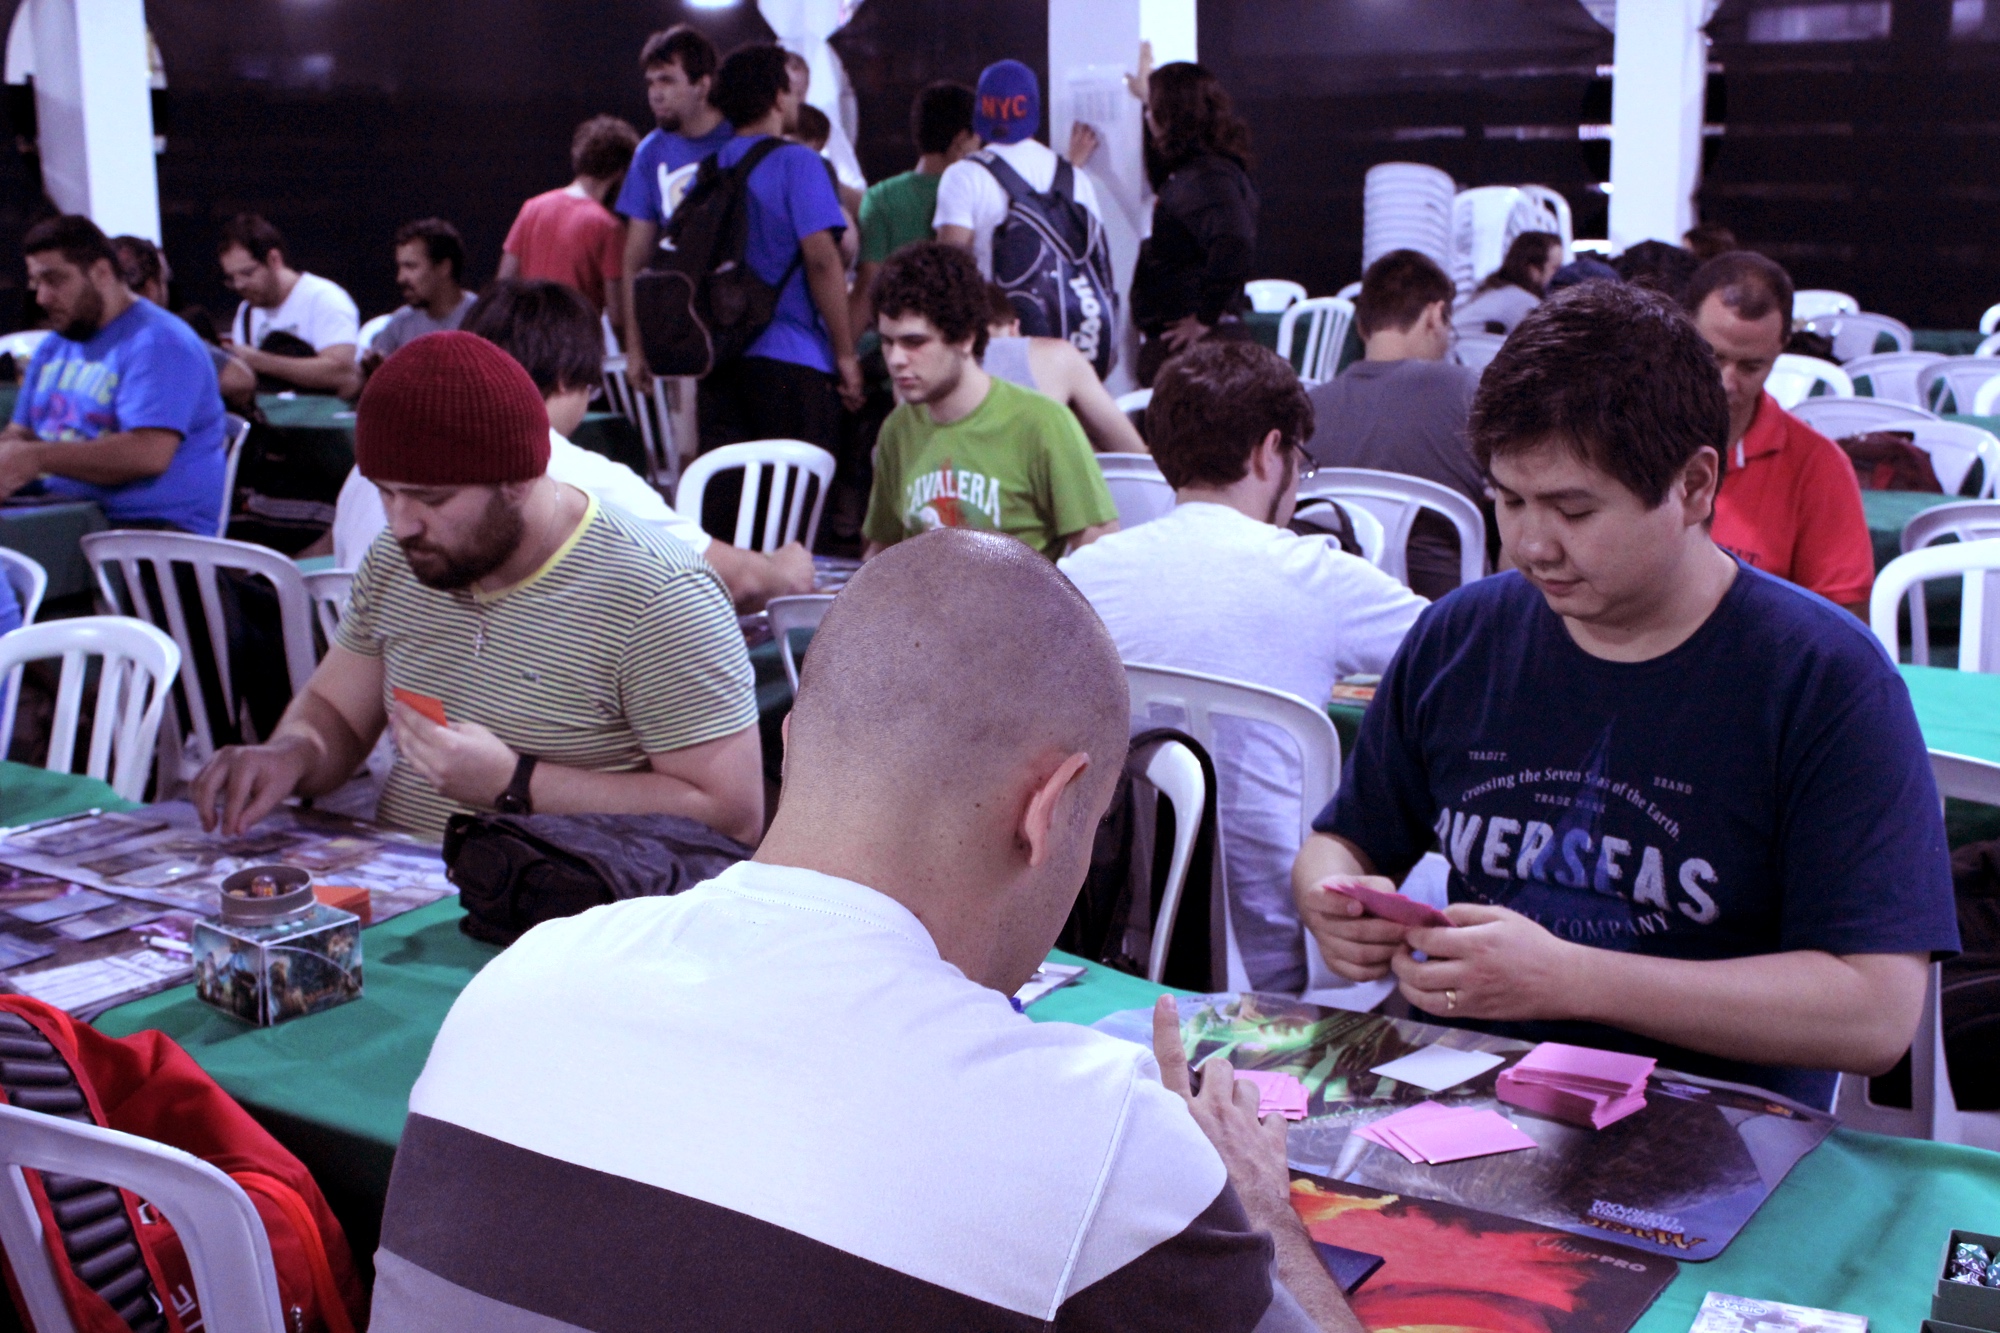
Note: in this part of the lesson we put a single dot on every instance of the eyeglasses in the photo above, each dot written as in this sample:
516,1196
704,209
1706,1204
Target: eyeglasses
1308,466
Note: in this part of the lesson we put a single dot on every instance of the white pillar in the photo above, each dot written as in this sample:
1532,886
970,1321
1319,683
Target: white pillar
94,112
1093,44
1659,78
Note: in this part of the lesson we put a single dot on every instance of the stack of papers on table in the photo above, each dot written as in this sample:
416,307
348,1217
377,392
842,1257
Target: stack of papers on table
1575,1083
1428,1132
1277,1094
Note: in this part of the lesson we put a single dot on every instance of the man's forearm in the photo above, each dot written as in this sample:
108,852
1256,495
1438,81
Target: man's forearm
333,749
14,430
639,240
331,371
1306,1278
735,809
110,460
829,293
1817,1010
1322,857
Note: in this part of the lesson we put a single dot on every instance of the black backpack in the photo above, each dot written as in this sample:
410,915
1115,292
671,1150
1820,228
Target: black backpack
514,872
698,302
1051,258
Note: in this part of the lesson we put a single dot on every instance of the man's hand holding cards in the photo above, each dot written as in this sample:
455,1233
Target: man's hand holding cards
1361,922
463,760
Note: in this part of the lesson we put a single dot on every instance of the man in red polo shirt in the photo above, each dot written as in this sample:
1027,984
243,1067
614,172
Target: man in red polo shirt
1789,503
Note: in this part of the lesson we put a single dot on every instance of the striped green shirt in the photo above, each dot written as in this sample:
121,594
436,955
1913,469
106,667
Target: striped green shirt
623,645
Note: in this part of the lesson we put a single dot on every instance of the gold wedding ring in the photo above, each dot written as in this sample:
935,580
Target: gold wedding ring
1450,1000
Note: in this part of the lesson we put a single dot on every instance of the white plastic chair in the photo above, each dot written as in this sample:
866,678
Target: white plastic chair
1136,401
1369,534
140,665
1137,487
1965,521
1839,417
1985,396
25,575
1953,446
1326,320
328,591
1198,699
1271,295
795,613
1933,1111
664,416
1395,500
1477,350
1816,301
775,472
235,430
1349,292
1988,346
1172,770
1952,384
228,1253
1990,321
1890,376
22,345
1143,464
1977,565
129,552
364,341
1795,378
1854,335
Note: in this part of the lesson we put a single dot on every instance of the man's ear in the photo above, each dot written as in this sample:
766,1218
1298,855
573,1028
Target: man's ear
1038,819
1701,481
1268,458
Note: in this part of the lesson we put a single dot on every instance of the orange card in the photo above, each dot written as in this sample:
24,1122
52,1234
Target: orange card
422,703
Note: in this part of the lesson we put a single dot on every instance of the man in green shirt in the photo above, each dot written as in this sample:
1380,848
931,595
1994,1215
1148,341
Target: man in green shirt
898,210
965,450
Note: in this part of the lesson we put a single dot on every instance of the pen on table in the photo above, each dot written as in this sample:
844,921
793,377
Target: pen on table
39,824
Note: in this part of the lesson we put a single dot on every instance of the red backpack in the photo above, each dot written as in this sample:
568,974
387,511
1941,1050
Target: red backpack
119,1263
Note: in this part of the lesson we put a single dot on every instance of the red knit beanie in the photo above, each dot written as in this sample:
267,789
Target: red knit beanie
451,409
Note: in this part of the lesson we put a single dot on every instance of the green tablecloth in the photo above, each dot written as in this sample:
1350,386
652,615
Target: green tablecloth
53,535
28,794
1959,711
1888,512
1951,342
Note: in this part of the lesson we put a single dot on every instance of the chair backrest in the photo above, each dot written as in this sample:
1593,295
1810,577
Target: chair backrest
147,587
1172,770
1990,321
1890,376
786,480
665,422
1140,497
1985,396
139,666
228,1252
235,430
1795,378
328,590
25,575
1326,320
1988,346
365,339
1136,401
1965,521
1977,565
1952,383
1395,500
1270,295
1839,417
795,613
1192,701
1369,533
1816,301
21,346
1477,350
1113,464
1933,1111
1855,335
1954,446
1349,292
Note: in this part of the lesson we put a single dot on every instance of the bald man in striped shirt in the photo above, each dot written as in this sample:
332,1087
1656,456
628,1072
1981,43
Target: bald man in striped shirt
584,662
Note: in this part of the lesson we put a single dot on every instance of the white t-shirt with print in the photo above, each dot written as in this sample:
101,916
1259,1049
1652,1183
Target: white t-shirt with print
1205,588
318,310
358,518
969,196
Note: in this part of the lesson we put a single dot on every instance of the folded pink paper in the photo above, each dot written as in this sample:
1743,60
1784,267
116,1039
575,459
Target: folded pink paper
1277,1093
1428,1132
1391,906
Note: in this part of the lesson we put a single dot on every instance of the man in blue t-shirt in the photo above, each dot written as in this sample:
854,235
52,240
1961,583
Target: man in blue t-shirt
680,67
119,405
791,382
1686,806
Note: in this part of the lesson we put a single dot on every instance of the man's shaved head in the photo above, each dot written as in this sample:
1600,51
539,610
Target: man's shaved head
961,721
945,662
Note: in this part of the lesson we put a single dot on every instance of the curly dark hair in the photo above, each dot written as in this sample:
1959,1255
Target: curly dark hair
680,45
749,83
1617,373
257,237
79,239
547,327
1214,404
442,243
941,283
1196,119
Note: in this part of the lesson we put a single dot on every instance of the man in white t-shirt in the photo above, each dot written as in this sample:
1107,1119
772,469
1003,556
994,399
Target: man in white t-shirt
1220,586
296,330
971,202
553,333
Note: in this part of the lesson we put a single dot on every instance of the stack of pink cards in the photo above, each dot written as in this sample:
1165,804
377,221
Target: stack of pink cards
1577,1084
1428,1132
1277,1094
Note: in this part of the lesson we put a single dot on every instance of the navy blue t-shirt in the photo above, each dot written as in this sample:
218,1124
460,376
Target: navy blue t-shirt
1762,788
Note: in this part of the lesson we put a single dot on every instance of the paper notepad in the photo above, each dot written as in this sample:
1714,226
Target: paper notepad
1436,1068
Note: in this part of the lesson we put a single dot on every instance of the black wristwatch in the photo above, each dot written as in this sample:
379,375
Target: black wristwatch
515,800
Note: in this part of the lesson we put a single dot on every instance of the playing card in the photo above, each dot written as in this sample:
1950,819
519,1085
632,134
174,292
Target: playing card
1391,906
15,951
77,899
422,703
122,916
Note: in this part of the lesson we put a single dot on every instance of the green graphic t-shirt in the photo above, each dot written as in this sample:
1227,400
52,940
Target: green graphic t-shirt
896,212
1018,464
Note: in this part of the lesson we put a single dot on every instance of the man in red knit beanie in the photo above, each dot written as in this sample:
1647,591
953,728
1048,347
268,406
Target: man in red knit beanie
530,649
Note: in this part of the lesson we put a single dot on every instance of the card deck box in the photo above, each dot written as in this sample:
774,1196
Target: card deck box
1961,1302
278,957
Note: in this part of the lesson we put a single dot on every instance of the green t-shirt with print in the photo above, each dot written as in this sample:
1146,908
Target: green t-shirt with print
896,212
1018,464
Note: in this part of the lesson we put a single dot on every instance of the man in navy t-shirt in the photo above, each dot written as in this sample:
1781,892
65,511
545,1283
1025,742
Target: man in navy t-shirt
1686,805
680,67
119,405
790,383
